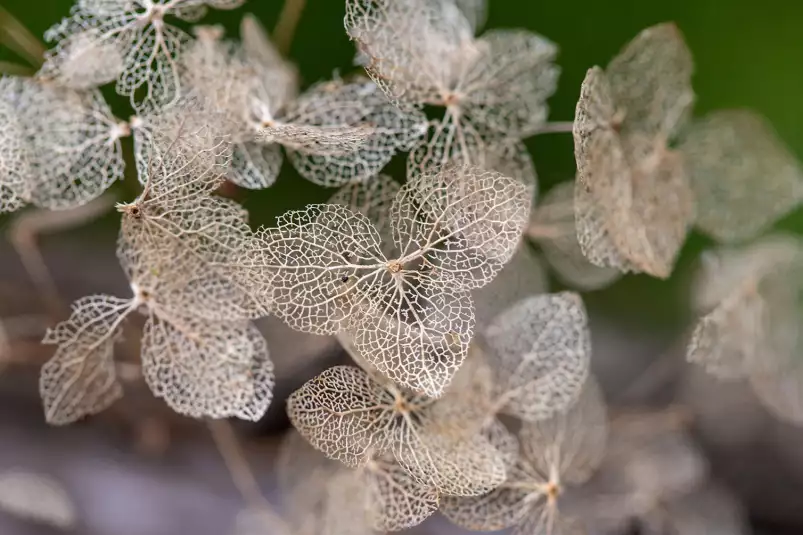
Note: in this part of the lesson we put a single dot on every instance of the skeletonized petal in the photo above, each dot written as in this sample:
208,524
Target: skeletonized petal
80,378
742,175
208,369
394,500
651,80
468,221
344,413
542,351
339,109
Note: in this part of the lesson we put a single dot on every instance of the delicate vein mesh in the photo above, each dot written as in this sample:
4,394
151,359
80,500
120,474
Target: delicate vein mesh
343,132
651,81
207,368
395,500
349,416
553,227
541,351
632,200
80,379
37,497
556,451
373,199
84,59
470,221
74,142
742,175
14,155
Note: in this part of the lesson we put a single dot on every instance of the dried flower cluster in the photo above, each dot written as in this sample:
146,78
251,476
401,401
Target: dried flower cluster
470,390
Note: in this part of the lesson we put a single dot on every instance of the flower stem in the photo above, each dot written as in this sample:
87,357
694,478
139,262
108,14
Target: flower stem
286,26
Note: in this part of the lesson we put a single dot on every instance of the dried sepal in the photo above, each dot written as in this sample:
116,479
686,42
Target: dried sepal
749,312
468,222
742,175
74,142
341,132
651,83
540,351
633,204
373,199
37,497
350,416
555,453
552,227
80,379
207,368
84,60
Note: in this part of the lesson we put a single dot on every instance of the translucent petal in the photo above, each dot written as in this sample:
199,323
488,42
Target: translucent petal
651,81
255,166
476,11
418,49
14,155
37,497
507,84
337,111
742,175
571,443
750,311
75,144
343,413
501,508
310,266
80,378
207,369
468,221
394,500
84,60
373,199
541,354
552,226
416,333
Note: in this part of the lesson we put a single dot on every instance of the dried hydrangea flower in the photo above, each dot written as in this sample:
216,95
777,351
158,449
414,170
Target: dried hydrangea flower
742,175
556,453
336,133
37,497
130,41
352,416
199,351
72,142
750,298
411,316
553,228
493,88
632,200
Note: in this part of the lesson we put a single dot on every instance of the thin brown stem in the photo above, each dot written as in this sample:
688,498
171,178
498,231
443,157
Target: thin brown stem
29,225
286,26
15,69
16,36
561,127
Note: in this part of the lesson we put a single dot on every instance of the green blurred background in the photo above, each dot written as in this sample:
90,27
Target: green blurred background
747,54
